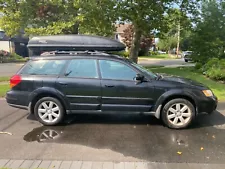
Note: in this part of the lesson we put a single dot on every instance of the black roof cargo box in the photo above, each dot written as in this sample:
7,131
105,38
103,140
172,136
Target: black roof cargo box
40,44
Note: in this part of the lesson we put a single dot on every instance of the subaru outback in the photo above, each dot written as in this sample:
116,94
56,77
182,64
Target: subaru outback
53,86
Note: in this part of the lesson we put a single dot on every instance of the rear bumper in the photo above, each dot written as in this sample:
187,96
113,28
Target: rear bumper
19,106
17,99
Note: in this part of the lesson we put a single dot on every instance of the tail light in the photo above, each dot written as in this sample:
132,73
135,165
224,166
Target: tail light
15,80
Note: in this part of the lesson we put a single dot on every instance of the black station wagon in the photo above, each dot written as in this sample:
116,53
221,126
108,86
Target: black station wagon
60,83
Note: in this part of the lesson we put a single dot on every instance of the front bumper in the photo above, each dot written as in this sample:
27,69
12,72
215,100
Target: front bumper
208,105
188,58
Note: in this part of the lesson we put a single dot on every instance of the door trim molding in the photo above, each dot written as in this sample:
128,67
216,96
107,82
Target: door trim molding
127,98
79,96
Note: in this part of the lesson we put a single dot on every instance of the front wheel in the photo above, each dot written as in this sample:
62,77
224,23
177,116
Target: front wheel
49,111
178,113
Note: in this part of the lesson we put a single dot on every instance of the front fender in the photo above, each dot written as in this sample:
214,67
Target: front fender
50,91
174,93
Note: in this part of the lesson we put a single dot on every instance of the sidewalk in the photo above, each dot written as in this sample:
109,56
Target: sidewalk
25,164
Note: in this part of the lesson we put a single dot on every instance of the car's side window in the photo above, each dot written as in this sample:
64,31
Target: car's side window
83,68
43,67
116,70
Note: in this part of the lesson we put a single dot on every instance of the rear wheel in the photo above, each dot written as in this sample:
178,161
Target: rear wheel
185,60
178,113
49,111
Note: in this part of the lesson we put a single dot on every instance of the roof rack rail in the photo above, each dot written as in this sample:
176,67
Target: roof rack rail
53,53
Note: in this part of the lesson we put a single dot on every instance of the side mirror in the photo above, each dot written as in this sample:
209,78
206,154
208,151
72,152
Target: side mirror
139,77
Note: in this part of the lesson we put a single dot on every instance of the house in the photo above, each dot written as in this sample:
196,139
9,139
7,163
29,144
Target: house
120,31
4,42
17,44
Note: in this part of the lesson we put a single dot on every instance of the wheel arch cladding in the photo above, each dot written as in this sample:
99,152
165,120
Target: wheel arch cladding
47,92
170,95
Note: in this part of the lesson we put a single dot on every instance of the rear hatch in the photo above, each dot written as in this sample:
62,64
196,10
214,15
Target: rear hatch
34,75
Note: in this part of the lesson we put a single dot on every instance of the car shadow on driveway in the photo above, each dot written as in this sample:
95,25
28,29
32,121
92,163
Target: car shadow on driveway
202,120
139,136
216,119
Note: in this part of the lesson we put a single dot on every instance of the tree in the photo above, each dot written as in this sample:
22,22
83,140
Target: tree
209,37
167,44
145,41
58,17
89,16
147,15
185,43
177,25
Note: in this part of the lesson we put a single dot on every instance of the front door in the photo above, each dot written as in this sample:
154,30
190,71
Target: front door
120,90
81,85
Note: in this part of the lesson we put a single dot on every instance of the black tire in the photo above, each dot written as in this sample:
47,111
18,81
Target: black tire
168,105
61,111
186,60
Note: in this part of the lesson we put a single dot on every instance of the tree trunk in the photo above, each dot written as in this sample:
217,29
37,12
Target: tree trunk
76,28
178,38
73,30
135,45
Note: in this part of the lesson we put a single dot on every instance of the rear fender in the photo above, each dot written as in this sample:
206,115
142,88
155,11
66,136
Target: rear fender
45,91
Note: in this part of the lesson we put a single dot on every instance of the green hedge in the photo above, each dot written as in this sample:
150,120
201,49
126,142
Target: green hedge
214,69
6,57
122,53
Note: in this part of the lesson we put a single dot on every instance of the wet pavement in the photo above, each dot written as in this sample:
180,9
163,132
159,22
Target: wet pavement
112,137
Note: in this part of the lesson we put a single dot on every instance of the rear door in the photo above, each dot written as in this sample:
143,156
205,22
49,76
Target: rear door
81,84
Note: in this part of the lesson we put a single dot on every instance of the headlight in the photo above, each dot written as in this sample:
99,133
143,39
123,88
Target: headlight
208,93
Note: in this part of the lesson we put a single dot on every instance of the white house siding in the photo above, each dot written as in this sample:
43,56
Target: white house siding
4,45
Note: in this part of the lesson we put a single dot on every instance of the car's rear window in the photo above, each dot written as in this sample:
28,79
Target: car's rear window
43,67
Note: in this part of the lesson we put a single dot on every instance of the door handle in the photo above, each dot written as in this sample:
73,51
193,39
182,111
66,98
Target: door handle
63,83
109,85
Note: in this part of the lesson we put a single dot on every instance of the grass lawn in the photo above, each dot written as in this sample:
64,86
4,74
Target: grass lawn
4,85
159,56
4,79
3,89
217,87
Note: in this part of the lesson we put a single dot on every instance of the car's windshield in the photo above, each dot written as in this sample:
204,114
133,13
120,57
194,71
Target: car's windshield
143,69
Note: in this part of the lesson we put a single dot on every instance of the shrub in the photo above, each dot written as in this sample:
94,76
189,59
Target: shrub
215,69
4,53
214,62
16,56
216,74
122,53
198,66
6,57
153,53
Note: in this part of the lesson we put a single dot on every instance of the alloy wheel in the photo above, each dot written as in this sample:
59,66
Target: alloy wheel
49,111
179,114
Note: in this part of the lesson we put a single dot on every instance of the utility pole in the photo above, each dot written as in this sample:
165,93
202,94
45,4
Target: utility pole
178,38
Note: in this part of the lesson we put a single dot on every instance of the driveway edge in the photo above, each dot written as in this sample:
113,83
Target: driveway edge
56,164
